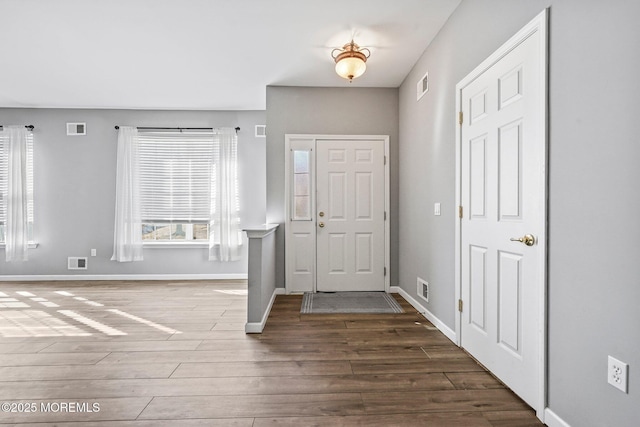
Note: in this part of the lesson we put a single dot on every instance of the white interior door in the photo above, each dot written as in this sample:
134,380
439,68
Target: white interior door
350,215
503,183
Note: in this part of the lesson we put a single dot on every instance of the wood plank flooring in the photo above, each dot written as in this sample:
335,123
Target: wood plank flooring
175,354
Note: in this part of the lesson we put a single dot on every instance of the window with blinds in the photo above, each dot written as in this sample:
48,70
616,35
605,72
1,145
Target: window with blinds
177,183
4,185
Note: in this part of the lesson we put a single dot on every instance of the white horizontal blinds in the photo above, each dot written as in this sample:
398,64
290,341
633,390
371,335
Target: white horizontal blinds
30,184
175,175
4,159
4,183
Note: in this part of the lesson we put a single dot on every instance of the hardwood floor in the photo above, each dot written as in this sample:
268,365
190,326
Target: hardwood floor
175,354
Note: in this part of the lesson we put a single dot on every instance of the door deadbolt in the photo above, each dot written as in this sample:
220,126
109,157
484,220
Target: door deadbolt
321,214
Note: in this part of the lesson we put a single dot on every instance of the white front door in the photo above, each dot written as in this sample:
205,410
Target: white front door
350,215
503,182
336,238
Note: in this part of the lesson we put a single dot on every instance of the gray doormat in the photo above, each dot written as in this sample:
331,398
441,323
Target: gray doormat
349,302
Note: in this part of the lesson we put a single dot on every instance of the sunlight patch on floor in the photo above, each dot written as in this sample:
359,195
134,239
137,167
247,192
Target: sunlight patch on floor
35,323
12,303
144,321
25,294
231,291
64,293
108,330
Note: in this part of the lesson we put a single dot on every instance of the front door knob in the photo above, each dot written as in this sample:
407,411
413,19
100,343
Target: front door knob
321,224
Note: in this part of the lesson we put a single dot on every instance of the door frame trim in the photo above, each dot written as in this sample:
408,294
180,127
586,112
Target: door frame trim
538,25
287,204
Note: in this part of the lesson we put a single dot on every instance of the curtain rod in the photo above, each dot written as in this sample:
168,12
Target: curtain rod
156,128
30,127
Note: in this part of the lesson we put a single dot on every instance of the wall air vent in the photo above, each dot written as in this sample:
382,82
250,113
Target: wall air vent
261,131
77,263
423,289
423,86
74,129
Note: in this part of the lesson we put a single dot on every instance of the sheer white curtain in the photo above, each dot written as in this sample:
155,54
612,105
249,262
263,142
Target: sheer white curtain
225,235
16,201
127,241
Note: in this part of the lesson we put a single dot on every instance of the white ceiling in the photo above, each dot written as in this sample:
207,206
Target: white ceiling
200,54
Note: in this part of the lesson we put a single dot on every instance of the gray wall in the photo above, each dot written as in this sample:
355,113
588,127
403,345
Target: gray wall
75,189
262,276
338,111
593,282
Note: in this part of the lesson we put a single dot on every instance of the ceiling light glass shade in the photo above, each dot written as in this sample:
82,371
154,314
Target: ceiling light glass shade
351,60
351,67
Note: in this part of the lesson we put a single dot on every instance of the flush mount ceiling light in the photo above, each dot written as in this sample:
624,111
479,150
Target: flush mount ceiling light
351,60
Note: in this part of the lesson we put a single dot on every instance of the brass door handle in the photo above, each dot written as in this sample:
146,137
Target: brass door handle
527,239
321,224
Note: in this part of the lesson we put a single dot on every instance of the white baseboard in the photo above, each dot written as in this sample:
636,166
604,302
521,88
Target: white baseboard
551,419
447,331
257,328
35,278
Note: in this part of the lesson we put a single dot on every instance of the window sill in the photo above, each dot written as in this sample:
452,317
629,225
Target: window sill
30,245
175,245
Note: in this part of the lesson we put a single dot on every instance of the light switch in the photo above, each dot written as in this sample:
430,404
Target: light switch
436,208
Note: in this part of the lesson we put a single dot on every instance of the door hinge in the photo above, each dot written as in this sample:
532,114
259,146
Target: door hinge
385,215
459,211
460,117
385,159
385,271
460,305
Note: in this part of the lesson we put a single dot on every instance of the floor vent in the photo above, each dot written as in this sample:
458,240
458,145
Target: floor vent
423,289
77,263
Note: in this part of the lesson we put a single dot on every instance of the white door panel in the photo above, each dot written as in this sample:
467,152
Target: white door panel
502,192
300,244
350,196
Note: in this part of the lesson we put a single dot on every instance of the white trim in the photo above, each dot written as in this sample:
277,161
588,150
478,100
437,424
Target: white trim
387,189
447,331
257,328
35,277
551,419
260,232
30,245
387,209
175,244
539,25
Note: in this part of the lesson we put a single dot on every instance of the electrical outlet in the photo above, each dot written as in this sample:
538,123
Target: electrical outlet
423,289
436,208
617,373
93,252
